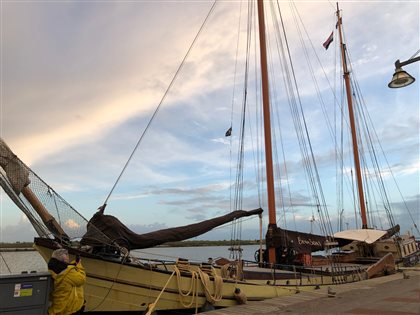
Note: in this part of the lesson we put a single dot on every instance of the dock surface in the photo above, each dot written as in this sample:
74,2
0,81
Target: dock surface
397,294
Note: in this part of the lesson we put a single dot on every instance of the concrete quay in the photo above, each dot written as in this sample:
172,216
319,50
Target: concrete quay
397,294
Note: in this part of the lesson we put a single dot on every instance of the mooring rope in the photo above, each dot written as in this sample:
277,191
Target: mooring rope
196,275
5,262
152,305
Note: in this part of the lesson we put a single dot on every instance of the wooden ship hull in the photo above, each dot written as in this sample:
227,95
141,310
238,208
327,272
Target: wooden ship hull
117,281
113,285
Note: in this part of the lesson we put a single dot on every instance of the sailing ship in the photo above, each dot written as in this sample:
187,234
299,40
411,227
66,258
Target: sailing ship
119,281
285,246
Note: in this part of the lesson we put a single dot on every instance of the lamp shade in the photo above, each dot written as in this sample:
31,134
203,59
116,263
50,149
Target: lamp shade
400,79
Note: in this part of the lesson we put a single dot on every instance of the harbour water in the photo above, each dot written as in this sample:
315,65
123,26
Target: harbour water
27,261
21,261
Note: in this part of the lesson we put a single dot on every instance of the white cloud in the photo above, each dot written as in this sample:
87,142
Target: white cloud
81,80
72,224
20,232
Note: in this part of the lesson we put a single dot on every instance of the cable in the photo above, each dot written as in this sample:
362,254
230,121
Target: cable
5,262
160,103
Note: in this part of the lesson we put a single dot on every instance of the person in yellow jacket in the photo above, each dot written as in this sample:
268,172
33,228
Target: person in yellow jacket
67,297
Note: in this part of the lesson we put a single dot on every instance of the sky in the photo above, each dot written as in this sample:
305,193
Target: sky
80,80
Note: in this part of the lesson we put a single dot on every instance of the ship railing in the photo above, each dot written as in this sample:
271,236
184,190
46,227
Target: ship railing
339,274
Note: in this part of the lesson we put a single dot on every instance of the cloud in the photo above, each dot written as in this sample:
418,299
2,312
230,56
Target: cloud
81,81
146,228
86,86
72,224
408,214
20,232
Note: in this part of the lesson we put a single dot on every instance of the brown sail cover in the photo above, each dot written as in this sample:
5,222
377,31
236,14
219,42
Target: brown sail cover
298,241
120,234
392,231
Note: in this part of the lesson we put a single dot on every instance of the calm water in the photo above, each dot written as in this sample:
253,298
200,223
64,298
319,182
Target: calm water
16,262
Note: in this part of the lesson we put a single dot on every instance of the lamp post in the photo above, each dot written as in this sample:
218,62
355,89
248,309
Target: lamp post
401,78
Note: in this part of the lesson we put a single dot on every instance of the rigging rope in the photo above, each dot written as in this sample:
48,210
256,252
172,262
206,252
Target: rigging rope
364,117
278,173
5,262
415,54
233,101
302,129
160,103
236,231
338,148
375,139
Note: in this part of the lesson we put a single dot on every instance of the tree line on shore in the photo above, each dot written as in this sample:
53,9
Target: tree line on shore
193,243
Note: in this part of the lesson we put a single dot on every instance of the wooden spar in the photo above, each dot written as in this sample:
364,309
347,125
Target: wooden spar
18,175
267,129
46,217
352,125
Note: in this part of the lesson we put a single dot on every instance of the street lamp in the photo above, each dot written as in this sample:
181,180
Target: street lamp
401,78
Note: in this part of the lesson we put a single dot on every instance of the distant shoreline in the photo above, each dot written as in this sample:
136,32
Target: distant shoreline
28,246
17,249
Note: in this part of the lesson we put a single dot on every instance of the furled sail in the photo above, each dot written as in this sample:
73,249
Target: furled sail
299,242
123,236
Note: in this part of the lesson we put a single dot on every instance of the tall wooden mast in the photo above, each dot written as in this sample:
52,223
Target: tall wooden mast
267,130
352,124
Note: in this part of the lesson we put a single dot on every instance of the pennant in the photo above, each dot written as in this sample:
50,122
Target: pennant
339,22
329,40
228,132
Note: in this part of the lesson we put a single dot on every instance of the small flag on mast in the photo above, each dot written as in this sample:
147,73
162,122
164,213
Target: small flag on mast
228,132
329,40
